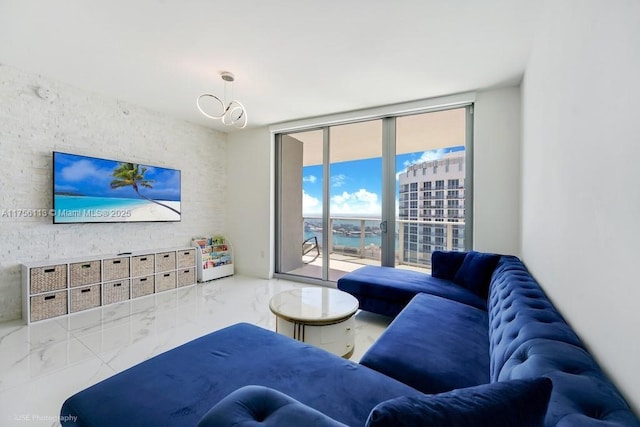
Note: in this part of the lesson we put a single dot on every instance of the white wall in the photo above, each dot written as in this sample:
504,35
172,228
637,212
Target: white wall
496,171
89,124
250,203
580,175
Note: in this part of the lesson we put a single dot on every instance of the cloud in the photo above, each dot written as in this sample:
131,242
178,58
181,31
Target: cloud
426,156
361,202
338,181
310,205
361,195
83,170
311,178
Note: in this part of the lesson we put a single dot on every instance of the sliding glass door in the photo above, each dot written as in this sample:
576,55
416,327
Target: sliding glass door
355,196
387,191
329,200
431,168
300,204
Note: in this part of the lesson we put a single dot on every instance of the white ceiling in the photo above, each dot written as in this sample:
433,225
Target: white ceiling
292,59
363,140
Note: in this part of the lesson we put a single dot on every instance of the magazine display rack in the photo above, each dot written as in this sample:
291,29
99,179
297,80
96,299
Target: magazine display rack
214,257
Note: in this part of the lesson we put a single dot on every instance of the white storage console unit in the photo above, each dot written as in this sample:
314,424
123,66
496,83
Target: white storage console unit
56,288
214,258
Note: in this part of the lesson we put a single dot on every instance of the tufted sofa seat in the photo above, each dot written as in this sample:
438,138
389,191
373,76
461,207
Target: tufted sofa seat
528,338
444,360
439,342
388,290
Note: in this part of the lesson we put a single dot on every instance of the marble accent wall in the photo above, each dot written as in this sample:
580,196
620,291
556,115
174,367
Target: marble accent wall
80,122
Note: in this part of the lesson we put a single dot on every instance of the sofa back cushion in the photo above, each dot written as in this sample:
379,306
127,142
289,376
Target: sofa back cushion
445,265
528,338
475,272
520,311
471,270
520,403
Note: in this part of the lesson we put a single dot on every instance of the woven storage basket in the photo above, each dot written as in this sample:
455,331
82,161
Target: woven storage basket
141,286
143,265
49,278
84,273
115,291
165,281
186,258
165,261
115,268
49,305
85,298
186,276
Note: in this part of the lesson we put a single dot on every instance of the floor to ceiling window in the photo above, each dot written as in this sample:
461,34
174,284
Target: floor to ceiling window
431,169
355,205
388,191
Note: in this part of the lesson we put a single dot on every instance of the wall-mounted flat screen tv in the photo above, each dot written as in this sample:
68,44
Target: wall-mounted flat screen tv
89,189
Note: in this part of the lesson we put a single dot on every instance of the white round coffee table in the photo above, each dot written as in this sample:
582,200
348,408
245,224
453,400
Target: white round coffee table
323,317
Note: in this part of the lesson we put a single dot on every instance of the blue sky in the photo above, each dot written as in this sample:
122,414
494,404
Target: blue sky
356,186
90,176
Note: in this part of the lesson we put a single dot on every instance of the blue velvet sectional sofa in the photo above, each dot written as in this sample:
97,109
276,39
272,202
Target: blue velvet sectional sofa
476,344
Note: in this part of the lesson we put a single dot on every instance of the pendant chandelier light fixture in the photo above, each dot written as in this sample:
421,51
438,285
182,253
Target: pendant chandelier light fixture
231,113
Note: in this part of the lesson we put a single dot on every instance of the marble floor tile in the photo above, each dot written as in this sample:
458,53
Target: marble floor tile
44,363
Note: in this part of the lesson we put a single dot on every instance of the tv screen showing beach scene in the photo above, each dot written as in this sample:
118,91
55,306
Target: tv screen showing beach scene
89,189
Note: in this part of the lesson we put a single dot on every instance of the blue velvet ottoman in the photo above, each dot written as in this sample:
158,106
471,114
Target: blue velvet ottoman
177,388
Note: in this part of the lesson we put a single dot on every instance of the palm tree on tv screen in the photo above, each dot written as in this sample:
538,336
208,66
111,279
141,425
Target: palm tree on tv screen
130,174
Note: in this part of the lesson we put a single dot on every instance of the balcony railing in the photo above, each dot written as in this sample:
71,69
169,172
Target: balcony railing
359,237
